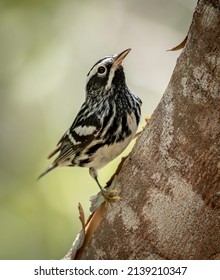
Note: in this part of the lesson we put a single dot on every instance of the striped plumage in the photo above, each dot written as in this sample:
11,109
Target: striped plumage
106,122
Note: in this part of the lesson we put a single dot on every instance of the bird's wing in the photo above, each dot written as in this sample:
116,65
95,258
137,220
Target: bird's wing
66,149
82,132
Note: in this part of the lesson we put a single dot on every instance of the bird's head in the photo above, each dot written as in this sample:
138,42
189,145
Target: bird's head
106,75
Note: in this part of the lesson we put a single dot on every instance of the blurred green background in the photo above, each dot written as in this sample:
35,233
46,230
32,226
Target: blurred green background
46,49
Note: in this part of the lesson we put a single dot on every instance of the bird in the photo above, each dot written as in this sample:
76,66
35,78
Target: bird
106,123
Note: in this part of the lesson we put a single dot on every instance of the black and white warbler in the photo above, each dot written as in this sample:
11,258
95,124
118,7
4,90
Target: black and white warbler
106,122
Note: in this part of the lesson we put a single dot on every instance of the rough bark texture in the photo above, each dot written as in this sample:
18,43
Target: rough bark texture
170,184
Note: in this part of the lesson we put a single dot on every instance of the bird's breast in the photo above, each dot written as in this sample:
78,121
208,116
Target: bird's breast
104,149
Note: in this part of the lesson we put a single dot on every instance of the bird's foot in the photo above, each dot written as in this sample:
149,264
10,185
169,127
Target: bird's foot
110,196
105,195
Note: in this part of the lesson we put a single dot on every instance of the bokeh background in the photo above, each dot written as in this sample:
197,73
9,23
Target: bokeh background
46,49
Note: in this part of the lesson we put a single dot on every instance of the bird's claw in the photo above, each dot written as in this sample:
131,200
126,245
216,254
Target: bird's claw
110,196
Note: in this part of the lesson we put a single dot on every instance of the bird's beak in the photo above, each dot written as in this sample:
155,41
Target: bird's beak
120,57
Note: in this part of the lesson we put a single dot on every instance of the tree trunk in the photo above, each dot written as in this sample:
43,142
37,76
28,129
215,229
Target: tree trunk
170,184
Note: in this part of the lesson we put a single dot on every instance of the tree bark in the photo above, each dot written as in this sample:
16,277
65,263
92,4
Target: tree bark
170,184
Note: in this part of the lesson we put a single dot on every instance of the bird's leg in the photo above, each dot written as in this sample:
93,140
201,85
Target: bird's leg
106,194
93,173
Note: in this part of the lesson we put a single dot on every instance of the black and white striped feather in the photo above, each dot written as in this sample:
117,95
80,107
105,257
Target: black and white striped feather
106,122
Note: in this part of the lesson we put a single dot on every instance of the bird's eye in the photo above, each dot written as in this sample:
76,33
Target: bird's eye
101,70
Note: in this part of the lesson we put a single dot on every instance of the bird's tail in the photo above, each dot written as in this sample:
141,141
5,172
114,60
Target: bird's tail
48,169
